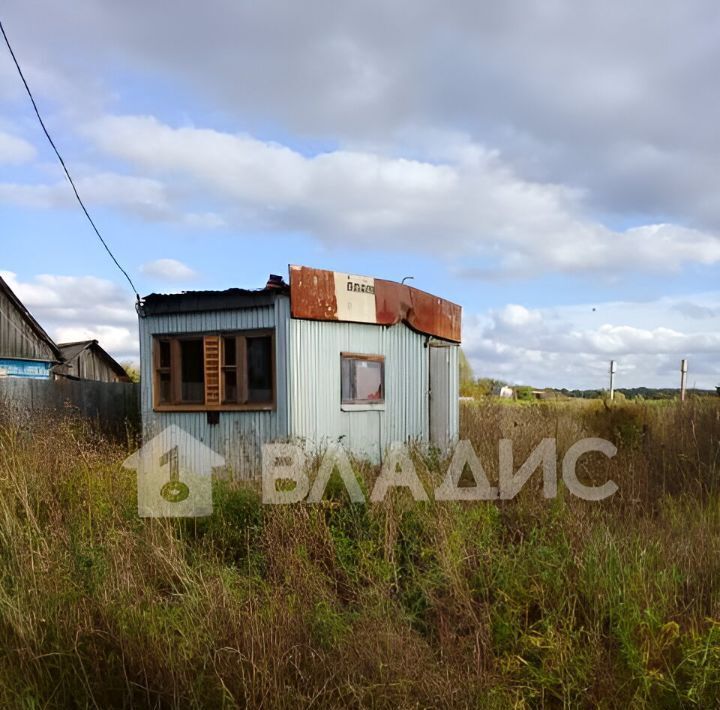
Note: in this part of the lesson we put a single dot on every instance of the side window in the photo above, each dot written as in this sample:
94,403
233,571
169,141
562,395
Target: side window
163,381
362,379
192,371
230,370
259,369
225,371
248,369
179,371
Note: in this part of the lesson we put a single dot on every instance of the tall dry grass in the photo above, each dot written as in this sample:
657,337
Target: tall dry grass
521,603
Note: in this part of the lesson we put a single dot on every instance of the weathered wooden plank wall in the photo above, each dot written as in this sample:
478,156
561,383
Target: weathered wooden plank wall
89,366
17,337
112,405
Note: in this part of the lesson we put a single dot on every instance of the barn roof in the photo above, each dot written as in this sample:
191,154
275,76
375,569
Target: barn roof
28,318
70,351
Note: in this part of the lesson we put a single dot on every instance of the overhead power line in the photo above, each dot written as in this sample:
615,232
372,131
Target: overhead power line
64,167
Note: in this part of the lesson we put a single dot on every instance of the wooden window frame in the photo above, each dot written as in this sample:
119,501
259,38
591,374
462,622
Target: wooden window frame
363,403
175,371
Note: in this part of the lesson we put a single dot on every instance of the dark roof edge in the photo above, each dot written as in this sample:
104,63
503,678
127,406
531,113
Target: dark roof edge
200,301
77,342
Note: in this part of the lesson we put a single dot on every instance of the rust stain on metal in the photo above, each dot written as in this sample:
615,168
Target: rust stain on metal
312,293
313,296
420,310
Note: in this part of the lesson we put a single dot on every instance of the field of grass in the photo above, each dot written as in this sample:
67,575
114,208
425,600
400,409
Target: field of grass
521,603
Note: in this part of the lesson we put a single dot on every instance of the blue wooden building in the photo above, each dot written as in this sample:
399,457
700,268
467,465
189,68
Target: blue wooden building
26,350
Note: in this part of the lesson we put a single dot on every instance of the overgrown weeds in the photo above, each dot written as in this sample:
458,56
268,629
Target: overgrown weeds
521,603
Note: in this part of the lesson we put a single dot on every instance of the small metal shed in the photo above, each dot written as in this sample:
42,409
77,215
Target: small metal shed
331,357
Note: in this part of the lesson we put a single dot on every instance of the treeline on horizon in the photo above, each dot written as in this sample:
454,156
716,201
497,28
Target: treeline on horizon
470,386
639,393
483,387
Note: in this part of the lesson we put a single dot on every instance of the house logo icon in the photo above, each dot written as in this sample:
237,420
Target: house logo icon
174,475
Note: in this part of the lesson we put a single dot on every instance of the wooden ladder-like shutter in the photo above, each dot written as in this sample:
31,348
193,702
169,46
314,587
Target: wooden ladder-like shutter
212,370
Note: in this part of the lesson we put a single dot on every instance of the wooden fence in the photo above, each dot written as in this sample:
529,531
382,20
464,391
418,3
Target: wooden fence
113,406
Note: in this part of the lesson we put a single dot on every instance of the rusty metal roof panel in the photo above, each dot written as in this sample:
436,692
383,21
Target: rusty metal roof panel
422,311
312,293
317,294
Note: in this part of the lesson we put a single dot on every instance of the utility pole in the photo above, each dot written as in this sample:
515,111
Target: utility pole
612,379
683,379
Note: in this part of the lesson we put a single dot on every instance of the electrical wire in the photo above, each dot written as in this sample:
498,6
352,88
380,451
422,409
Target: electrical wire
64,167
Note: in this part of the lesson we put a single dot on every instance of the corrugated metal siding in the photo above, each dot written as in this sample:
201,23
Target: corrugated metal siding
454,394
17,338
444,394
238,435
439,395
314,376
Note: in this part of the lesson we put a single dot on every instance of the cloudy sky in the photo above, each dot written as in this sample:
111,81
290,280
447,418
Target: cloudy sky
551,166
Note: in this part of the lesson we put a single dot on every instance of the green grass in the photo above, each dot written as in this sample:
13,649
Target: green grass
521,603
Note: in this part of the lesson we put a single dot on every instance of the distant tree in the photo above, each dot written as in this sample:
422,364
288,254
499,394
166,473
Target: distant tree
471,387
484,386
523,392
131,371
466,377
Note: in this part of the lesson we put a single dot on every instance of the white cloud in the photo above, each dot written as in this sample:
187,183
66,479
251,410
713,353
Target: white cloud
516,316
14,150
572,93
168,270
73,308
469,207
111,338
103,189
570,346
696,310
508,145
140,196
